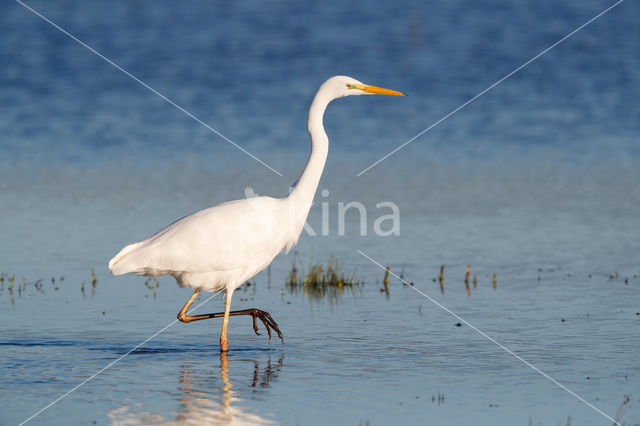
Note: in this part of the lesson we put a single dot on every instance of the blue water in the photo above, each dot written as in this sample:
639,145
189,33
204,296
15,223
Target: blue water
536,181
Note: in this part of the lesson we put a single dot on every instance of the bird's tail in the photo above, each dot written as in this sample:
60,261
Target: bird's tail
119,265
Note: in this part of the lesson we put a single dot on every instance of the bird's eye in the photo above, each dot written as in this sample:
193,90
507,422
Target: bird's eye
350,86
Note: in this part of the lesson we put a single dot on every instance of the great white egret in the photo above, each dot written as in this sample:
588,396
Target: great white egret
221,247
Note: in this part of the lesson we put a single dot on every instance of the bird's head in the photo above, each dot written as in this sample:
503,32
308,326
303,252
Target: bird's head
341,86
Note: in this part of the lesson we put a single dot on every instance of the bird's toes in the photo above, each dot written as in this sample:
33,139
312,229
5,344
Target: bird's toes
255,325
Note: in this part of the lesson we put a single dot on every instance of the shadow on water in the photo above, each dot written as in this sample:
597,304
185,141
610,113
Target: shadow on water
203,402
117,348
40,342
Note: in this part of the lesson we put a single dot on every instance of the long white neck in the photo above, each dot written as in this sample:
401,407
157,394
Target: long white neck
301,196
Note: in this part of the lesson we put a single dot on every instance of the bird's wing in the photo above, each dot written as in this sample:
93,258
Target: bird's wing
220,238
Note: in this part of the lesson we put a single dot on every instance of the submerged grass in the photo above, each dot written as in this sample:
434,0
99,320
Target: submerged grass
320,282
467,275
39,285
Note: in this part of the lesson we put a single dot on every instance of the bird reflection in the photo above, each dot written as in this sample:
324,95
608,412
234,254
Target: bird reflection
271,371
200,404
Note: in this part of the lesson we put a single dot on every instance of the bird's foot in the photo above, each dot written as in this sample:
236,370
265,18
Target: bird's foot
268,322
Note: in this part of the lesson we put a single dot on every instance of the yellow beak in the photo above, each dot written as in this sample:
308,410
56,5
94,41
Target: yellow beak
377,90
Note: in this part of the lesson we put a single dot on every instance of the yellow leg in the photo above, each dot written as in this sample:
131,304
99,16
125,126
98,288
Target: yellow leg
266,319
224,343
182,315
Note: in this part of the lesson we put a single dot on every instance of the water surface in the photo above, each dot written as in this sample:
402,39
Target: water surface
535,182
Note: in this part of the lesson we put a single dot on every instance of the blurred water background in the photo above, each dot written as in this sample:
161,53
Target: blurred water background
537,182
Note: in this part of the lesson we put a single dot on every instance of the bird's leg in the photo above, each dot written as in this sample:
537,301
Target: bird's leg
182,315
266,319
224,344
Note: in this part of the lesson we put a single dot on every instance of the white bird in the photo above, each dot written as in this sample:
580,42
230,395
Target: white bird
221,247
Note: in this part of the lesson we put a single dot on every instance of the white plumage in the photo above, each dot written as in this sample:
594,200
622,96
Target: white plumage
214,249
221,247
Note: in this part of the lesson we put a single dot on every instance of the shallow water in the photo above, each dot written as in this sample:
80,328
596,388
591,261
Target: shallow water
368,356
536,182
